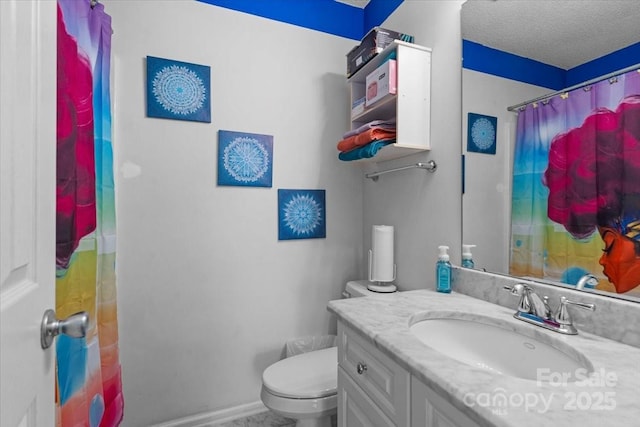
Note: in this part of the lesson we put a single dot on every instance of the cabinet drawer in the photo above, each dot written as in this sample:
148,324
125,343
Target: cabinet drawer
355,408
384,381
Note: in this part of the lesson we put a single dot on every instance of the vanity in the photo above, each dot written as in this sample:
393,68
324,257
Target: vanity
374,390
391,374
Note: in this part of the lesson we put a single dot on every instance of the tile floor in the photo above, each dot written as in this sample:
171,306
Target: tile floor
263,419
267,419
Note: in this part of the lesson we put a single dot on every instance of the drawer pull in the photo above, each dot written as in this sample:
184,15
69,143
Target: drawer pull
361,368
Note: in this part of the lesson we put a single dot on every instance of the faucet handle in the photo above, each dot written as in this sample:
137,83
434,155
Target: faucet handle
562,315
523,291
518,289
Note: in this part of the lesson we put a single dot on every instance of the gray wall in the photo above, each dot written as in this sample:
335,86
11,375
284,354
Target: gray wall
207,294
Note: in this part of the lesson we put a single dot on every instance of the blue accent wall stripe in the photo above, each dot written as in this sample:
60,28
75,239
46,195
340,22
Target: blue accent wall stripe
484,59
327,16
613,62
377,11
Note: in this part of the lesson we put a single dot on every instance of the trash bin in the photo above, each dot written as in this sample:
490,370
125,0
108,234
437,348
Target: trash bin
310,343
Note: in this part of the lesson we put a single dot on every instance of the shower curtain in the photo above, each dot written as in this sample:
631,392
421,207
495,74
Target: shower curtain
576,186
88,386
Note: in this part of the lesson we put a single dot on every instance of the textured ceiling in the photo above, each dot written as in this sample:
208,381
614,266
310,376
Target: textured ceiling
563,33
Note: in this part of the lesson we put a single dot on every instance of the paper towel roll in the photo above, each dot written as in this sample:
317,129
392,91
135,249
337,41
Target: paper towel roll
381,265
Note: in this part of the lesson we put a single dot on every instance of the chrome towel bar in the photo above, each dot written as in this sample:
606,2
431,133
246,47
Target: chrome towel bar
429,166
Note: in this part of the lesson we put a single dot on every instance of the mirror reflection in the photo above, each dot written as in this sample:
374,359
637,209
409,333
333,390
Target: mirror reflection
552,188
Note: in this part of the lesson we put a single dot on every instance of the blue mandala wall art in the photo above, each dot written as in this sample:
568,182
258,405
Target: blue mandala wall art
245,159
301,214
178,90
481,133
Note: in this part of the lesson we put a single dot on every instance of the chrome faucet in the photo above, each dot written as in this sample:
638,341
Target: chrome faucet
530,302
587,279
532,309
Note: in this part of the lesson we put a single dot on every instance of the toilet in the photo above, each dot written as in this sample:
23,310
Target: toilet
304,387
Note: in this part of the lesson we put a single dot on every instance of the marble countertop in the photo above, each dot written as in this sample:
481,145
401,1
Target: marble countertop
610,396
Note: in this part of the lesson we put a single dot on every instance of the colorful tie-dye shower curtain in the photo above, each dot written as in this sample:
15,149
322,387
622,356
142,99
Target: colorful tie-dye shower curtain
88,386
576,187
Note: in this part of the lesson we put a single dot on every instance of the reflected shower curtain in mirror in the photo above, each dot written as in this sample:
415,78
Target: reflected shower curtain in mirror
576,187
88,385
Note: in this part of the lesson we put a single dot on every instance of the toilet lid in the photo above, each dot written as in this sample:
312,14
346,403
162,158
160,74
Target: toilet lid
307,375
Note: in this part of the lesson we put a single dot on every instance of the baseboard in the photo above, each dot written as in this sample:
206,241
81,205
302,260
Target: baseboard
209,419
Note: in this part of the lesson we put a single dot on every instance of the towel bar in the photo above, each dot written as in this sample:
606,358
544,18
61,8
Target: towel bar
429,166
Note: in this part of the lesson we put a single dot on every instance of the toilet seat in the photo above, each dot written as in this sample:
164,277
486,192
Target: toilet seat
305,376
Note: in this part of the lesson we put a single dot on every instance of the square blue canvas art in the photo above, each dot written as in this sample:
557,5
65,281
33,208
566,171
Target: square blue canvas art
245,159
301,214
481,133
178,90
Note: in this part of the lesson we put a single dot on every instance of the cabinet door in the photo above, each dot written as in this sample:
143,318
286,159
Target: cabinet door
355,408
384,381
429,409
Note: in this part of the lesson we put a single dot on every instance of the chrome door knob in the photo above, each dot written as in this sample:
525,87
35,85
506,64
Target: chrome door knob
74,326
361,368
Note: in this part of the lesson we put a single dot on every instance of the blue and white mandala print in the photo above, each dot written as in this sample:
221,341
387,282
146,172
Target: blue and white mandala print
481,134
301,214
244,159
178,90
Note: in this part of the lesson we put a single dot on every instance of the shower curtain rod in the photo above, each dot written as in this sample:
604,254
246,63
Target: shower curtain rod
578,86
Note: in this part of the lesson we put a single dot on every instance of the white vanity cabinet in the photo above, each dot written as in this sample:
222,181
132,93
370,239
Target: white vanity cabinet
374,390
429,409
410,106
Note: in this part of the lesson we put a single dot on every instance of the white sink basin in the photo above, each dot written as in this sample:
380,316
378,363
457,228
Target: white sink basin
500,350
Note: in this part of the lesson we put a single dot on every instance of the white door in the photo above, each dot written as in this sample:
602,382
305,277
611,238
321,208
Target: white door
27,209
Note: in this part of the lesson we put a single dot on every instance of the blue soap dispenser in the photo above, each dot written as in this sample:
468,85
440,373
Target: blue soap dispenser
467,258
443,271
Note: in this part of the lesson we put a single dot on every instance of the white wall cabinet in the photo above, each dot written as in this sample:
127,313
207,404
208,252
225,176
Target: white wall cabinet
410,106
374,391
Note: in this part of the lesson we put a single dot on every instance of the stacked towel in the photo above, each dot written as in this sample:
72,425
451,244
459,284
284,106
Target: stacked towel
380,124
364,152
367,140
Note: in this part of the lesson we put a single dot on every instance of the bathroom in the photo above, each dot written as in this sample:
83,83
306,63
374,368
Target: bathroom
207,294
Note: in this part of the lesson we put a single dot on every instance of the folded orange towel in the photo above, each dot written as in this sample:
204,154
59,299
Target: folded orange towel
374,134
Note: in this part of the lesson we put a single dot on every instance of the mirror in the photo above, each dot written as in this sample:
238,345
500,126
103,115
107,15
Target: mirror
562,33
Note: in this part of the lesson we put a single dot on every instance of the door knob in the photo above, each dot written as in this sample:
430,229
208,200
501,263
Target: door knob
361,368
74,326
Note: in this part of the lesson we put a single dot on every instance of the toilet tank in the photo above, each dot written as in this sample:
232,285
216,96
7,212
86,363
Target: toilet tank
357,288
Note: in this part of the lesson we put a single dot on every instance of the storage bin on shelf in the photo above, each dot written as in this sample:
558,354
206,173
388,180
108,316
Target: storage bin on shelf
374,42
381,83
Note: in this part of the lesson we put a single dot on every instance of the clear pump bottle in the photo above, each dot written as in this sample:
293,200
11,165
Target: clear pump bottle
443,271
467,258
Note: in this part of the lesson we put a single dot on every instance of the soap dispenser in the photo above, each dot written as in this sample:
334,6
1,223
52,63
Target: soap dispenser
467,258
443,271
